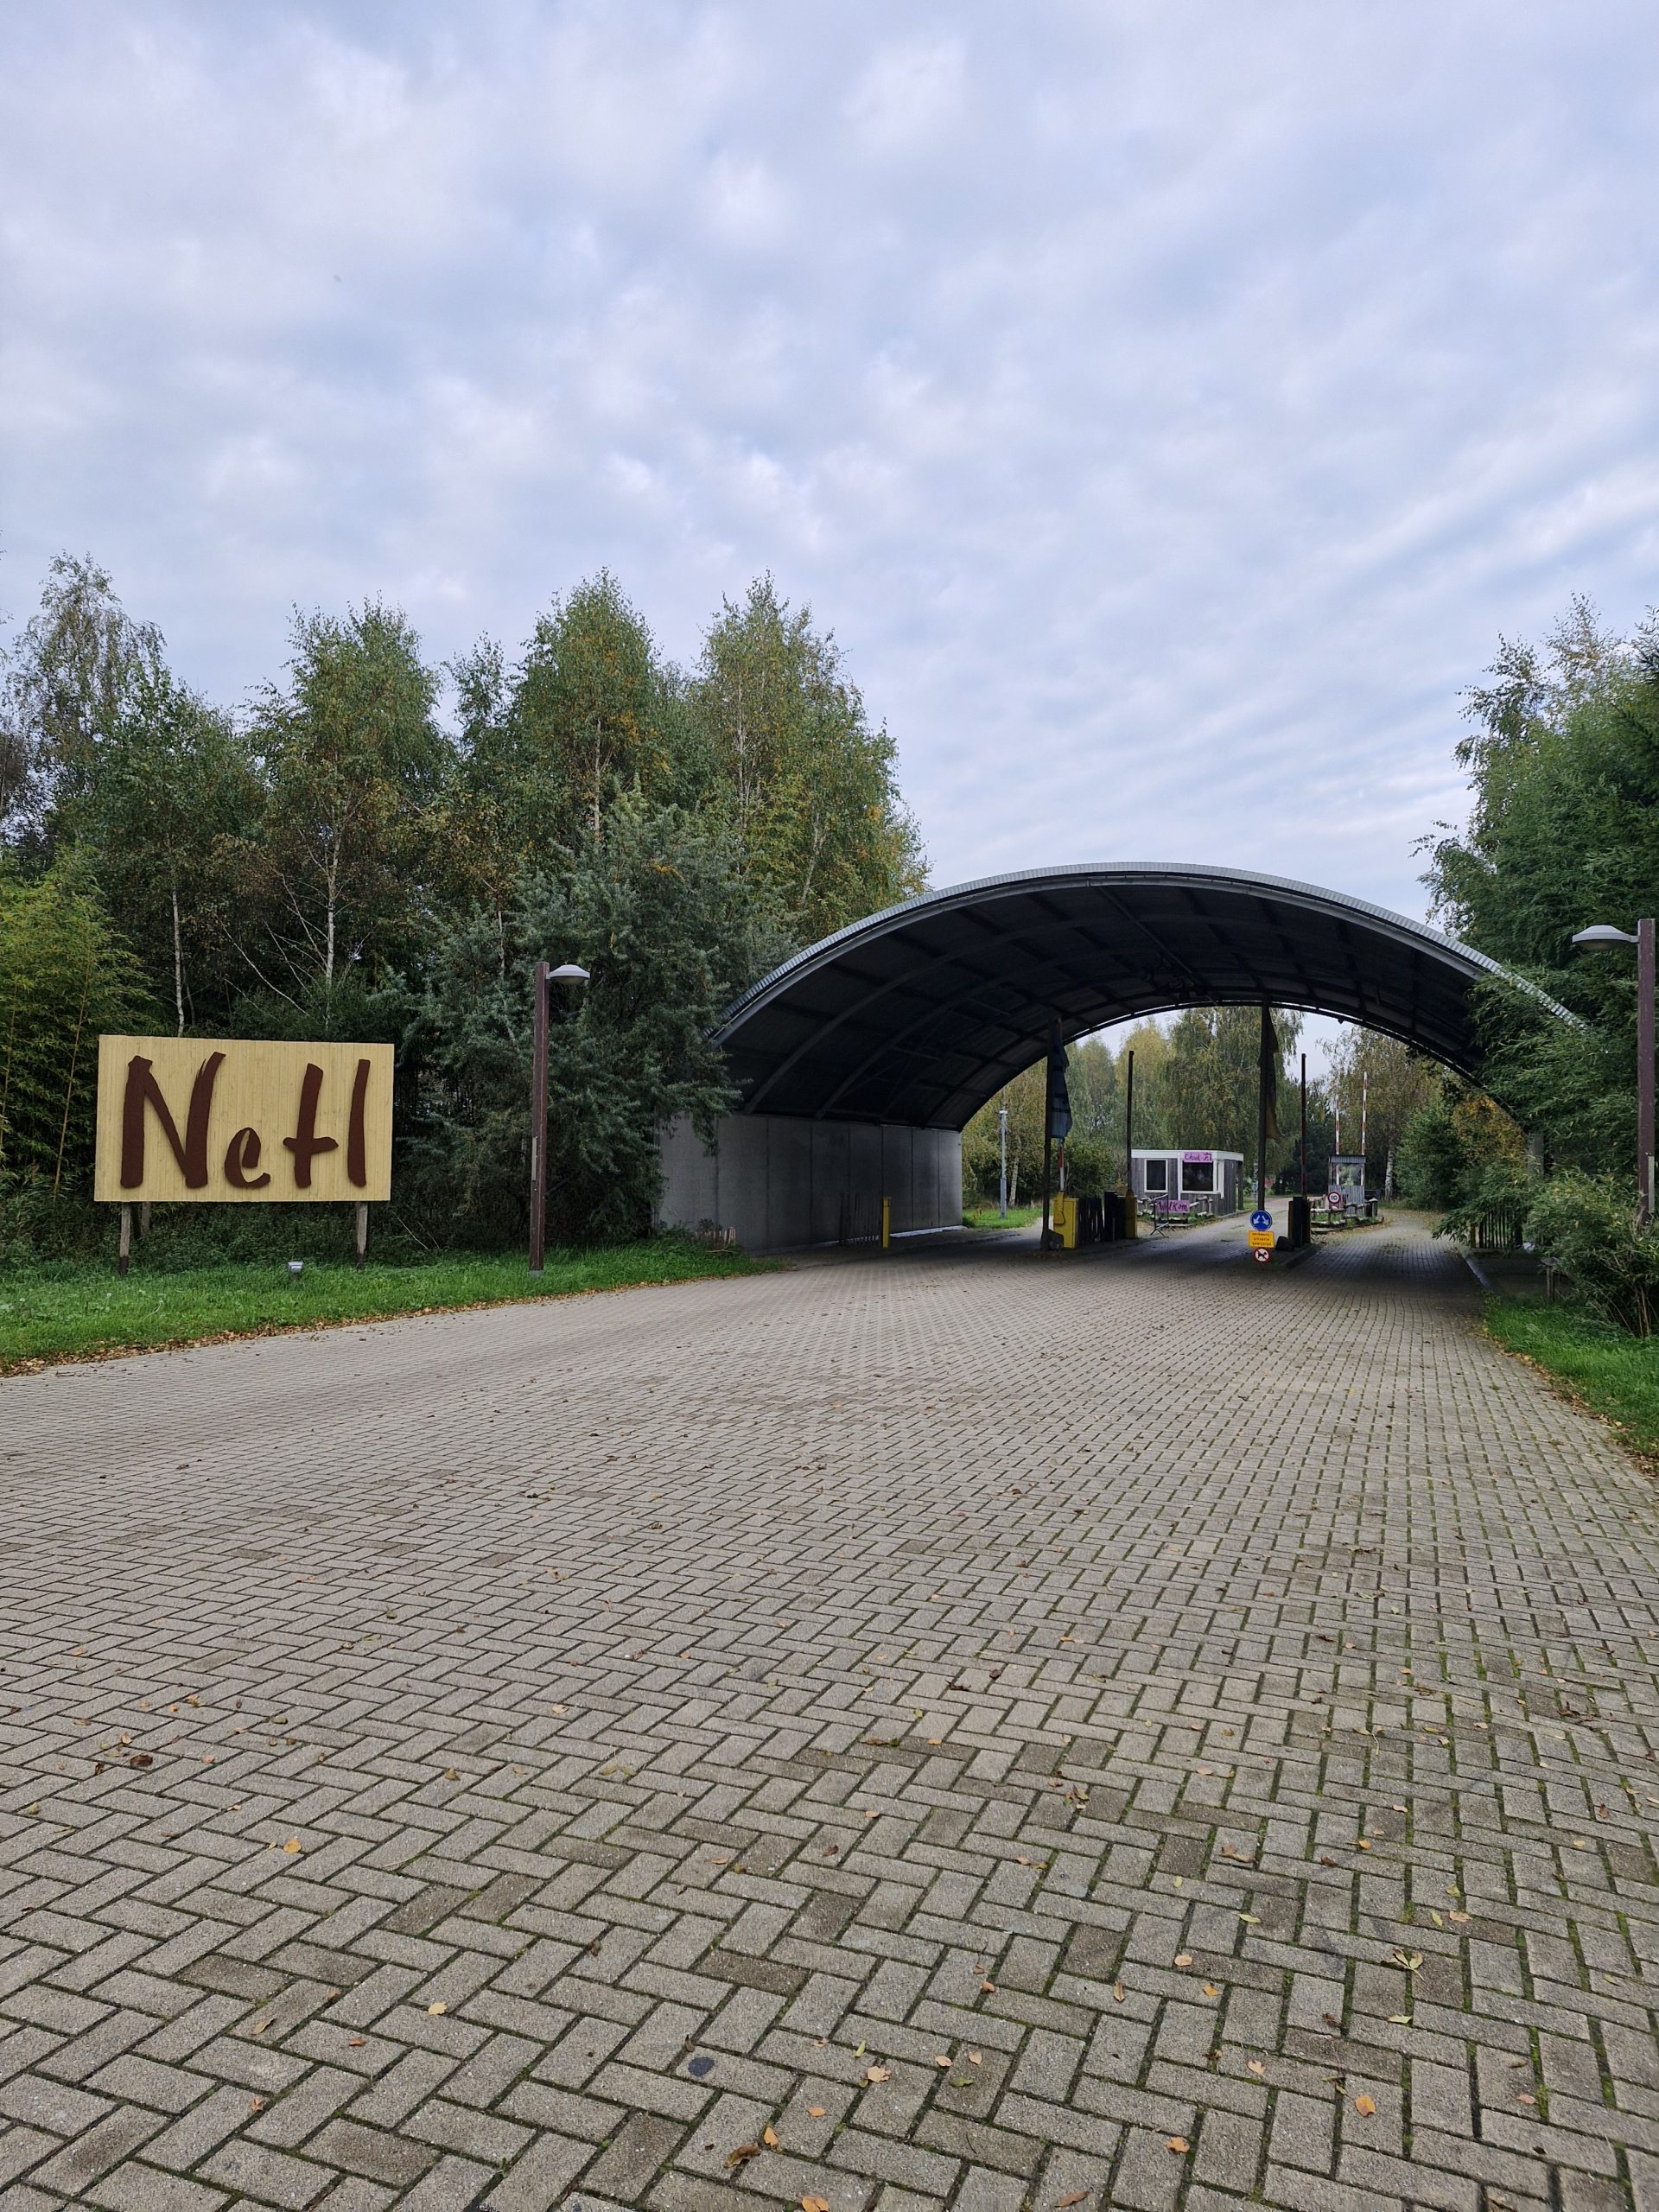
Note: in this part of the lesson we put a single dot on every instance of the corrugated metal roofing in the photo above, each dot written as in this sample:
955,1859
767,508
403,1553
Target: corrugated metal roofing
921,1012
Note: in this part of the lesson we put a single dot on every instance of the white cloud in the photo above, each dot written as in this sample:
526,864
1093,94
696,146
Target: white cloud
1168,408
907,96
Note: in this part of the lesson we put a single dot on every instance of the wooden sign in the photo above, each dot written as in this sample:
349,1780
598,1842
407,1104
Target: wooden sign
240,1122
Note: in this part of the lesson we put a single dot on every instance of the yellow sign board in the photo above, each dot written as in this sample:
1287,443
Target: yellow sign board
235,1122
1262,1240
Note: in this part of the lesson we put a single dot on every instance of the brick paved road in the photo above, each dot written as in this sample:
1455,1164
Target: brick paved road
986,1731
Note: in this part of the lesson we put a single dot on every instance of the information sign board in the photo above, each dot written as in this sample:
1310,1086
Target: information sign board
242,1121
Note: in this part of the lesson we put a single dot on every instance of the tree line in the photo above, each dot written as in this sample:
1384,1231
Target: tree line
378,847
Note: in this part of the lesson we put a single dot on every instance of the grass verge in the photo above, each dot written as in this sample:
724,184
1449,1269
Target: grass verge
989,1217
71,1310
1595,1364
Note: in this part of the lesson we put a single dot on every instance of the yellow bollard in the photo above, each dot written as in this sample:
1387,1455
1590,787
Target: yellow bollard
886,1223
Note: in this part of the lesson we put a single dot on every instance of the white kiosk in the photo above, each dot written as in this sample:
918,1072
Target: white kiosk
1187,1184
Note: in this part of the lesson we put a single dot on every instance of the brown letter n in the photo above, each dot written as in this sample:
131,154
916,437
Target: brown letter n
142,1090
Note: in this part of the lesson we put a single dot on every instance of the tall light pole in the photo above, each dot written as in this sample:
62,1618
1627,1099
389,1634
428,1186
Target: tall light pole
1599,935
572,979
1002,1132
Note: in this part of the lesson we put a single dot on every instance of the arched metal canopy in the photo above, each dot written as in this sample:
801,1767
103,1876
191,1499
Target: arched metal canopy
921,1012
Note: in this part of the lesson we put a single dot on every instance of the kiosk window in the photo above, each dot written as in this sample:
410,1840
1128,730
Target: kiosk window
1157,1174
1198,1174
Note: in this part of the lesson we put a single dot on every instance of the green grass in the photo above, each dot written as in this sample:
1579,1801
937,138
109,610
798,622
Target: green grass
1596,1364
72,1311
989,1217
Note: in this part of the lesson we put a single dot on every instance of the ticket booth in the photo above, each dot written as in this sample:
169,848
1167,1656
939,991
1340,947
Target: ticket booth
1187,1181
1348,1180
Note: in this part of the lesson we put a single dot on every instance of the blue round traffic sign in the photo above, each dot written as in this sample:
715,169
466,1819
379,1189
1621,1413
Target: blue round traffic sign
1260,1220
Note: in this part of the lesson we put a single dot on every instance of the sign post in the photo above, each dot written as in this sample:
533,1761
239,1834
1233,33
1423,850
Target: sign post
1057,1123
1130,1224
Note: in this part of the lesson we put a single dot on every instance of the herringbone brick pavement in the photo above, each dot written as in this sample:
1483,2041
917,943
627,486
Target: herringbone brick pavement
973,1729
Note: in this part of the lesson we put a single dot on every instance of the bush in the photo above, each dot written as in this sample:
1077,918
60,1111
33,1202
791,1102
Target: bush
1493,1205
66,976
1088,1166
1432,1161
1588,1226
1446,1149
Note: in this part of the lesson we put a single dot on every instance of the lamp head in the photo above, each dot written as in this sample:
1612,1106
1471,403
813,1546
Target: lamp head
570,976
1598,934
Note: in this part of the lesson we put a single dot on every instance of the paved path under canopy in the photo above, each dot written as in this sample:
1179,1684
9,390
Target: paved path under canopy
1135,1730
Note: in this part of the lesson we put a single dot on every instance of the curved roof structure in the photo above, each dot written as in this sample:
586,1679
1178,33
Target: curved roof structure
921,1012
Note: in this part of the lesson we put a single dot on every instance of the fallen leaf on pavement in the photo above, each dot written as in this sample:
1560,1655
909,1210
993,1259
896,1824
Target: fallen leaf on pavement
941,2060
1182,1958
879,2073
769,2137
989,1988
1399,2019
742,2154
439,2007
1117,1992
1365,2107
1211,1989
1077,2196
292,1846
355,2043
1176,2143
814,2204
816,2111
1257,2065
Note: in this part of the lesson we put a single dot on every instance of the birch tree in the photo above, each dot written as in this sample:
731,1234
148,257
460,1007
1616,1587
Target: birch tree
355,770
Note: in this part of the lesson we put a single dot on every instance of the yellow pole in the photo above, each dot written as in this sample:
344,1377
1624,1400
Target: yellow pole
886,1223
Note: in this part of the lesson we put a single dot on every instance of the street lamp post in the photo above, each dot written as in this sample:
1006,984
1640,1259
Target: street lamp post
1599,935
1002,1131
572,979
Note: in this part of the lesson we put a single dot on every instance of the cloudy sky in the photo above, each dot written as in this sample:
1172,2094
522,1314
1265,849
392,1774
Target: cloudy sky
1166,405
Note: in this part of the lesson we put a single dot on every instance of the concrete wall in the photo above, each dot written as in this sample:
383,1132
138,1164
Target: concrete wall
777,1180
